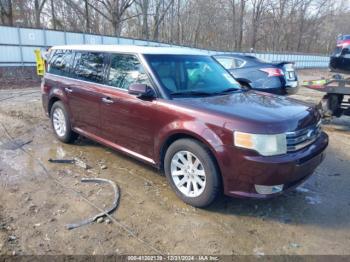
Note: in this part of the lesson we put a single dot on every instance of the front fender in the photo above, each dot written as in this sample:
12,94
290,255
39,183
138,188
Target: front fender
195,129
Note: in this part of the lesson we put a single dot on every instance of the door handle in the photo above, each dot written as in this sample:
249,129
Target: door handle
107,100
68,90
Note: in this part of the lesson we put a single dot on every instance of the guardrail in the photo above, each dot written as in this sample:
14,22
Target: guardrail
17,46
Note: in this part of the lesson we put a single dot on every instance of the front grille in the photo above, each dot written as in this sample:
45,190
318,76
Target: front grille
301,138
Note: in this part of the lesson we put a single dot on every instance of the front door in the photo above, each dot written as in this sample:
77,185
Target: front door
127,121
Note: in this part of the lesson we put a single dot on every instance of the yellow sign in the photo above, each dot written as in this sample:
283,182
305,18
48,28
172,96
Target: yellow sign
40,63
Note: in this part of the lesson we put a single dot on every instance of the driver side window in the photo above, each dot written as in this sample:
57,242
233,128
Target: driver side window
125,70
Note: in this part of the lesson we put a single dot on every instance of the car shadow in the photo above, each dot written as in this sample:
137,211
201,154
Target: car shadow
298,207
304,205
341,125
86,142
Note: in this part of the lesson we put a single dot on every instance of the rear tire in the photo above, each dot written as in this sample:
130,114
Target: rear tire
192,172
61,123
331,105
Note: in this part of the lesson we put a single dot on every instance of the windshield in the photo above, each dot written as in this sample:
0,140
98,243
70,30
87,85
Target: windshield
191,75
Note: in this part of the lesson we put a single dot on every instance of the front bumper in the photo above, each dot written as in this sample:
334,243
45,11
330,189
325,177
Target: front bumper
242,170
291,87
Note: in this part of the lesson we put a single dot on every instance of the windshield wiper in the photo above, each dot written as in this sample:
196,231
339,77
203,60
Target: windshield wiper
191,93
228,90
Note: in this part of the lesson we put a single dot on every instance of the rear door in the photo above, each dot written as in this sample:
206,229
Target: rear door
84,91
58,78
59,67
127,121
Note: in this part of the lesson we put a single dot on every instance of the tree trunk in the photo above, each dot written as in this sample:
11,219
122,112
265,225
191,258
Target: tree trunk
159,17
2,15
87,17
117,26
9,13
38,8
233,25
144,10
53,15
178,38
301,33
37,13
156,32
241,21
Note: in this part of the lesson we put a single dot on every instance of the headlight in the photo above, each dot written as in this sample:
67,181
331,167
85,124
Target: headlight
266,145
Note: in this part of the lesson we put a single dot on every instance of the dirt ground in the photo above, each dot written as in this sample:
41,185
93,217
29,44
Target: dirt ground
35,206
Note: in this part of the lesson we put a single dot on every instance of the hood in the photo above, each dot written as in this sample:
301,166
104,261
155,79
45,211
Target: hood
257,110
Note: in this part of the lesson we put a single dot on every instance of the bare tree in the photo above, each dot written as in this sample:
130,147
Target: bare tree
161,9
115,11
279,25
38,8
241,24
257,15
53,15
87,16
144,6
6,12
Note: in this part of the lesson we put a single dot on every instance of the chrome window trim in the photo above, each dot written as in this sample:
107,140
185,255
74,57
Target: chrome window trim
141,60
93,83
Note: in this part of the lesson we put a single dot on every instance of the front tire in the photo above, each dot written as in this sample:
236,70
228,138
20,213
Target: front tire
192,172
61,123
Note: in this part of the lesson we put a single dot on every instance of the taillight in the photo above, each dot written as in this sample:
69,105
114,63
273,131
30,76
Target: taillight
272,71
343,43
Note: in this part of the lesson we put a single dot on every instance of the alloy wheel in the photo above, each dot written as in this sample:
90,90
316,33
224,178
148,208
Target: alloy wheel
59,122
188,174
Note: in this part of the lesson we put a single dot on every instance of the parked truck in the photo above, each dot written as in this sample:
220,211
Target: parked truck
336,101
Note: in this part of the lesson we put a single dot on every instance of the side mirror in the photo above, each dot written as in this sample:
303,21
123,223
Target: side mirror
141,91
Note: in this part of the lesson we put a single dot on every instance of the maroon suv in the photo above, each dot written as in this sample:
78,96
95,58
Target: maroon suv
182,112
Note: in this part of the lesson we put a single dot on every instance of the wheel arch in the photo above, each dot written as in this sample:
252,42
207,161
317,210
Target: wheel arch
52,100
183,135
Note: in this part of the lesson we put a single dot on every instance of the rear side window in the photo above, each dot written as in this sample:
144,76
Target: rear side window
239,63
126,70
227,62
89,66
61,62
